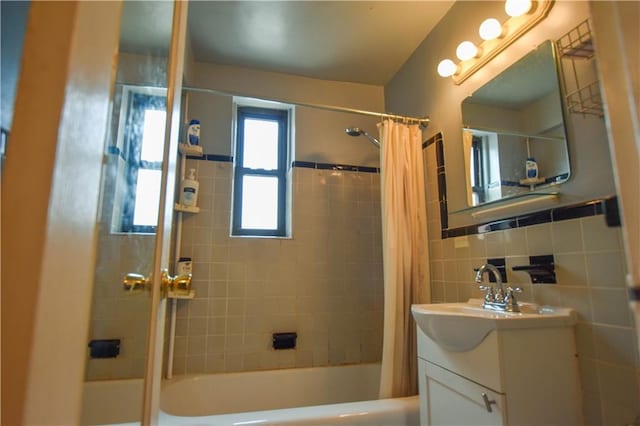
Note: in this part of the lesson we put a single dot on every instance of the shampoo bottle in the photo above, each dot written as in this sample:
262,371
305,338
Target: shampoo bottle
189,190
531,168
193,132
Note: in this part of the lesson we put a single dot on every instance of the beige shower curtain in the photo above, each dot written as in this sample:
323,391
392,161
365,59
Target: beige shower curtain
404,252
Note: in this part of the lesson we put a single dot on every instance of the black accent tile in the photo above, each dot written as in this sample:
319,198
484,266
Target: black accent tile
304,164
366,169
534,218
499,225
501,265
509,183
444,214
440,153
331,166
430,141
456,232
611,212
573,212
217,157
325,166
442,187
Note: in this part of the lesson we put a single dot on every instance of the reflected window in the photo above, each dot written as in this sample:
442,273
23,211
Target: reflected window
259,196
143,143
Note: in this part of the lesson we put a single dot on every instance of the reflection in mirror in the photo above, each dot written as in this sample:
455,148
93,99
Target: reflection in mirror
514,137
128,213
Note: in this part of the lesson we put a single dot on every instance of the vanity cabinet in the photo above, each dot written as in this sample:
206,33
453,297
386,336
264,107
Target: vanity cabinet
512,377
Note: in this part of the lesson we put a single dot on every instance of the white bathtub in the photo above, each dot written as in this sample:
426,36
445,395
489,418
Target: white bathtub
299,396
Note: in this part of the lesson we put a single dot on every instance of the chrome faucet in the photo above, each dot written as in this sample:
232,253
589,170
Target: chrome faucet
498,299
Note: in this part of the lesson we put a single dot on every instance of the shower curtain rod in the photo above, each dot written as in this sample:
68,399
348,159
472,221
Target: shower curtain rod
423,121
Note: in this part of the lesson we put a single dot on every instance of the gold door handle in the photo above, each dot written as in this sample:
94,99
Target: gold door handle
136,283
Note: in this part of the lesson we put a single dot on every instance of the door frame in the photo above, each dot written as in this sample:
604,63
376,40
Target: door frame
50,190
155,343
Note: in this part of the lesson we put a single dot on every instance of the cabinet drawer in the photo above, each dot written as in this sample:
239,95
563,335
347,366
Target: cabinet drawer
449,399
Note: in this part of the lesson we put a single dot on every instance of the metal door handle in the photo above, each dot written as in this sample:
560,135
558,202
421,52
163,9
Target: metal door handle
487,402
136,283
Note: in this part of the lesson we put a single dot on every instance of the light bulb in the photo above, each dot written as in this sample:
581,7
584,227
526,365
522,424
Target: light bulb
517,7
447,68
466,50
490,29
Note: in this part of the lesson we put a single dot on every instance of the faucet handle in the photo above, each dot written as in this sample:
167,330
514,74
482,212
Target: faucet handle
510,298
489,295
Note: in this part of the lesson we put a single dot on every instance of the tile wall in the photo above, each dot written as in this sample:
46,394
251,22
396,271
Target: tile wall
116,314
590,270
325,282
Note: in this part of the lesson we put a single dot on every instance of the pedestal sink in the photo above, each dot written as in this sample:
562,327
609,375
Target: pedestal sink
460,327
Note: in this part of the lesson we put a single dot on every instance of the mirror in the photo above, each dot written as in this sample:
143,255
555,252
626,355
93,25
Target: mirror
514,125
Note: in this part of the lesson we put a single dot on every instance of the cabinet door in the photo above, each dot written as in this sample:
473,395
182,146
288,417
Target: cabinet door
449,399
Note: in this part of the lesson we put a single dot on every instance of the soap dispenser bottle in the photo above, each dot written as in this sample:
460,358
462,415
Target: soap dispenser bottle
189,190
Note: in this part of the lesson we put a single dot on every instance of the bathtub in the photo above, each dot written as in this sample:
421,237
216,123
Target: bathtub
344,395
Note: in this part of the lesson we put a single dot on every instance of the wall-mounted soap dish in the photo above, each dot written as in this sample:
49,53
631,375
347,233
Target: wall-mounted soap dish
540,268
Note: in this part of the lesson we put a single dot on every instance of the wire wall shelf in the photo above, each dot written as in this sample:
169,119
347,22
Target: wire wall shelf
576,48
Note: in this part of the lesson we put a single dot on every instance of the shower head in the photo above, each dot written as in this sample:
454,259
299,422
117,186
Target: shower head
353,131
357,131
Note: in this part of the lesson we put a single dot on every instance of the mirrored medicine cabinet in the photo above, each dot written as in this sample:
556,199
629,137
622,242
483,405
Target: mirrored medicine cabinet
516,116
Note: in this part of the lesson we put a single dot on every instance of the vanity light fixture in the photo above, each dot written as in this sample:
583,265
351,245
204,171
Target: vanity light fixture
490,29
524,15
517,7
447,68
467,50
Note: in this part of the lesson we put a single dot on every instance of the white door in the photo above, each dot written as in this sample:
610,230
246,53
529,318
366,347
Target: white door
449,399
51,197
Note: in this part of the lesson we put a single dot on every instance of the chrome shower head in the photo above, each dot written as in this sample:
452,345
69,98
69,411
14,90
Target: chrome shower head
357,131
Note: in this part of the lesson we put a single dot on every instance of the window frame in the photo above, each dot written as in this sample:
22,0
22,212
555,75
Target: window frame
282,117
137,103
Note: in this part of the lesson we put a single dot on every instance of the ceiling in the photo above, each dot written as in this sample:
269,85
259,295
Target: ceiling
355,41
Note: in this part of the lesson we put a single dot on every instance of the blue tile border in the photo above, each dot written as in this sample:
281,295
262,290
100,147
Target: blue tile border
331,166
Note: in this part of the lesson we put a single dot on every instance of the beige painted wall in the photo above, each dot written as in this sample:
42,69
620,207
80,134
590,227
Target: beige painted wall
418,90
589,256
319,134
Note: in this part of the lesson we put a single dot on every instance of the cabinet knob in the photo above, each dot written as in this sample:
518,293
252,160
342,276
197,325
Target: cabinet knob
487,402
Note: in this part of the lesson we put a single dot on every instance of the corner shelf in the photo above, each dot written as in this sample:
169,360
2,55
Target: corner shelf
186,209
181,295
193,150
574,46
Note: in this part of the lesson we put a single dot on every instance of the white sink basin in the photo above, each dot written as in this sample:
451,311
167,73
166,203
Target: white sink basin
461,327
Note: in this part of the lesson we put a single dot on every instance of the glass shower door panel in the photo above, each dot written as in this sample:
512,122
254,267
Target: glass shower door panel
134,222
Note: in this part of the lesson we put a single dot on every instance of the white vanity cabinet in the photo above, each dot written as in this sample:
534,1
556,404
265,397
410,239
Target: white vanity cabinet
512,376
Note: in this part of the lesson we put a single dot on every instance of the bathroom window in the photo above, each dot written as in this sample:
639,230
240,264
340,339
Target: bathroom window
143,143
260,176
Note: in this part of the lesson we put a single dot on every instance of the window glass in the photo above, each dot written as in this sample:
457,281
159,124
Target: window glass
260,144
260,173
145,212
153,135
259,202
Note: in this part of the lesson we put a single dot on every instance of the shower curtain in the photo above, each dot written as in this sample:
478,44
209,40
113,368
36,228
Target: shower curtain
404,252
